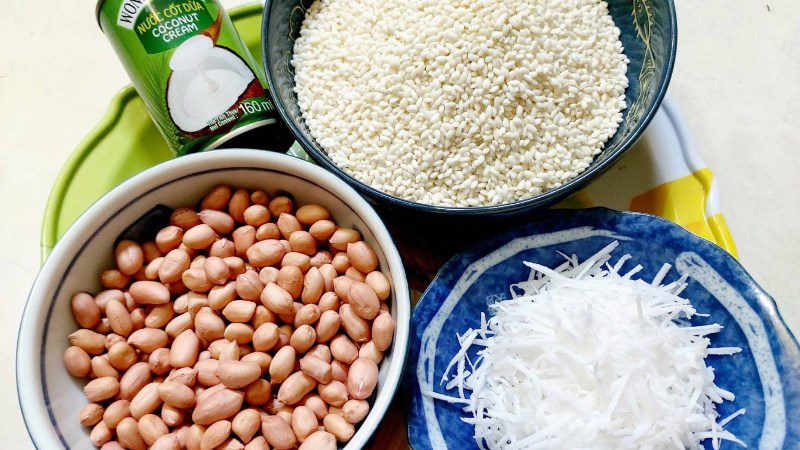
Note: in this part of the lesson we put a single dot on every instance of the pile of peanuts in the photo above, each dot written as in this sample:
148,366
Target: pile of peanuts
247,325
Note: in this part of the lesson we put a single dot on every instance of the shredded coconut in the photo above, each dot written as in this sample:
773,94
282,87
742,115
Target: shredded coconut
461,102
587,357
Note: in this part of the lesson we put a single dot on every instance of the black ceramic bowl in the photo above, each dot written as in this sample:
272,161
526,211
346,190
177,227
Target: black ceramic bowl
648,35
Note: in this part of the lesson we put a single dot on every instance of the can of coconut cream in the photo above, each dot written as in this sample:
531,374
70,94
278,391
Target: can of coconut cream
194,72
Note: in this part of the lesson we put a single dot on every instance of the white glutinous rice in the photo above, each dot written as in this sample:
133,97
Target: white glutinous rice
461,102
587,357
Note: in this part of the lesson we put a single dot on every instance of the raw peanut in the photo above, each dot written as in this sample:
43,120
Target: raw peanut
278,433
302,242
91,414
193,437
118,318
246,424
121,356
240,201
114,279
129,257
262,316
77,362
317,405
265,337
151,251
328,326
91,342
113,338
299,260
207,372
137,318
354,411
380,284
290,278
319,440
383,331
281,205
268,275
145,401
219,405
231,444
166,442
220,296
343,349
101,389
215,435
239,311
362,378
268,231
101,435
284,335
239,332
334,393
105,296
321,258
179,324
230,352
243,238
306,315
216,270
236,266
103,327
369,351
322,230
337,426
136,377
197,262
363,300
303,338
258,443
184,350
196,301
199,237
115,412
304,422
220,222
256,215
342,237
158,361
259,197
208,326
218,198
151,427
266,253
262,359
286,245
176,394
311,213
238,374
341,286
102,368
172,416
222,248
362,257
277,300
159,316
85,310
328,302
322,352
196,280
217,347
316,368
355,326
183,218
148,340
249,286
258,392
151,271
340,262
149,293
184,375
282,364
288,224
169,238
313,286
355,274
173,265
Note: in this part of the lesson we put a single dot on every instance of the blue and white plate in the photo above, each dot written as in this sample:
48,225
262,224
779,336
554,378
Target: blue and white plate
765,376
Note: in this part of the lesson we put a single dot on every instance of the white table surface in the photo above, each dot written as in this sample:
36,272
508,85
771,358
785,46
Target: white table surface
737,81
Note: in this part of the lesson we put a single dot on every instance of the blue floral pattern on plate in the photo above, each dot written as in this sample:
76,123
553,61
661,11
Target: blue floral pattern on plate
765,376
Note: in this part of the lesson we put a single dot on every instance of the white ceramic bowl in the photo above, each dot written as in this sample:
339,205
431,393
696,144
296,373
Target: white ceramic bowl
51,399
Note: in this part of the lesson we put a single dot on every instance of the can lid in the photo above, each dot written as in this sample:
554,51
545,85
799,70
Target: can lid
97,12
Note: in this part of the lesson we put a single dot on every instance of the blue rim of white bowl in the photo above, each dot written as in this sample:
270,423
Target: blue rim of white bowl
26,369
544,199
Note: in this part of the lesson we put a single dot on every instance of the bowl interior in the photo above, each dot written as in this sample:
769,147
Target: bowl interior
648,36
85,250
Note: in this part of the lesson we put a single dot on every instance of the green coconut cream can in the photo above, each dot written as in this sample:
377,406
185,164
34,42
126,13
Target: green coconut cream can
194,72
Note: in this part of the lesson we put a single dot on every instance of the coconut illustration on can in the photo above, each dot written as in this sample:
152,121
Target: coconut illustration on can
199,81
